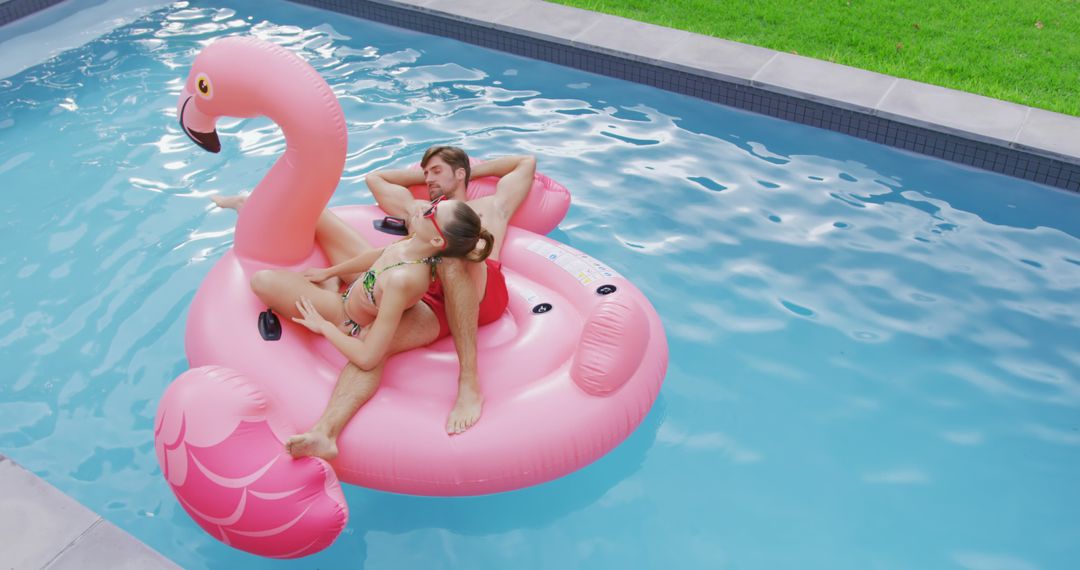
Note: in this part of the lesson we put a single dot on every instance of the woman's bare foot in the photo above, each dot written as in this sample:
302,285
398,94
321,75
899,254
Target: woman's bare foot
466,410
228,202
311,444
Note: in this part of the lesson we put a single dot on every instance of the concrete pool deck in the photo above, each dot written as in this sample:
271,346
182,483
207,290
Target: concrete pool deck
44,528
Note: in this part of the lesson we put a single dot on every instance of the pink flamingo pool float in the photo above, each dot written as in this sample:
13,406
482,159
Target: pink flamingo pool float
569,371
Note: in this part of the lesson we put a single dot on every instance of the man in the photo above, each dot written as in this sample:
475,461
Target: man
471,289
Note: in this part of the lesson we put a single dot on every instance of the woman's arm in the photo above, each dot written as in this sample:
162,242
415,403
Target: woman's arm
370,352
377,341
362,262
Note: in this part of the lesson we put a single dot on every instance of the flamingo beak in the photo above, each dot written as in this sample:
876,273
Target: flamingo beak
198,126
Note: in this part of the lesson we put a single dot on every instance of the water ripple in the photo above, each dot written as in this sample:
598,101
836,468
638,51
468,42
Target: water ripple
835,308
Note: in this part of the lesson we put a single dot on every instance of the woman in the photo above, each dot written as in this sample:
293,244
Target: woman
385,282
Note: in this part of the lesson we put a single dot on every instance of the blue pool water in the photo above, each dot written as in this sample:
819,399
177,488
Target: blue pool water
874,355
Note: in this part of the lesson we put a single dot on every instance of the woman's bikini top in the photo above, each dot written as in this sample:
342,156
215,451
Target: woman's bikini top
367,281
367,278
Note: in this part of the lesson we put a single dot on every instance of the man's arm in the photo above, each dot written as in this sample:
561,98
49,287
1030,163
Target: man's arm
515,180
462,313
391,189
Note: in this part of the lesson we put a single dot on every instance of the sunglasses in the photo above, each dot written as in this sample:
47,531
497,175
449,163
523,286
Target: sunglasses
430,214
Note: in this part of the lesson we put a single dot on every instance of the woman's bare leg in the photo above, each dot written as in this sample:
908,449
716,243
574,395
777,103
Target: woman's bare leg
338,240
354,387
281,289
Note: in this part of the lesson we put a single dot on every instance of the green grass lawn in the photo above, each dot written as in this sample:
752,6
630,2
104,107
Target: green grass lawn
1025,51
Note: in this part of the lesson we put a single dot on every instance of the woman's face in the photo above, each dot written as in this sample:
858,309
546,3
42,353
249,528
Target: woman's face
429,222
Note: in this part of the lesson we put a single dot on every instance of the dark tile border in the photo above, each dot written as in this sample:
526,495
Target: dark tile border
1001,159
11,10
1008,160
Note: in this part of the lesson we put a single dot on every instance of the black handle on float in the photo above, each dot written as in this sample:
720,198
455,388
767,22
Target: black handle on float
391,225
269,325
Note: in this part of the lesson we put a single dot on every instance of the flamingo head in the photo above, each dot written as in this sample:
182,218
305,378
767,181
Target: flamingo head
222,83
242,76
197,125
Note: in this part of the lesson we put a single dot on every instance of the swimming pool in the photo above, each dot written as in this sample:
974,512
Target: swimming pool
870,354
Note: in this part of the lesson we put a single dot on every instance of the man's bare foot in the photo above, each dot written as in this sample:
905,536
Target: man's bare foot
466,410
229,202
311,444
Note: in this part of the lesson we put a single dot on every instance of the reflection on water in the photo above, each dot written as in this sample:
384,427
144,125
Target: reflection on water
871,354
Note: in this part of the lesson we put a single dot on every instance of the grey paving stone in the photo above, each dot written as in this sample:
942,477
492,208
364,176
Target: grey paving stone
637,41
548,21
818,80
106,547
956,112
479,11
1051,133
37,521
717,58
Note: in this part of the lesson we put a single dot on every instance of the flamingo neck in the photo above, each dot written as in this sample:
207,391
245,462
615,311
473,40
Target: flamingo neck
277,224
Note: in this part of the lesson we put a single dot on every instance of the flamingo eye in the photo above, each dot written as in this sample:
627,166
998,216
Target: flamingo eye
202,85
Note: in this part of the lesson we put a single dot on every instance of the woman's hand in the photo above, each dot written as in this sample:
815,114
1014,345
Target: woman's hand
317,275
310,317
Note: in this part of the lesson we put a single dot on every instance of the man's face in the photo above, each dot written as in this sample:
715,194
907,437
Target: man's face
442,180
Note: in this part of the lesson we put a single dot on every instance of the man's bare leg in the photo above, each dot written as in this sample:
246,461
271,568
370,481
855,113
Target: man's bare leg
354,387
467,407
463,283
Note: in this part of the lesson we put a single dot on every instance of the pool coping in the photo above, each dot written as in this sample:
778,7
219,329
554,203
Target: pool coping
11,10
990,134
44,528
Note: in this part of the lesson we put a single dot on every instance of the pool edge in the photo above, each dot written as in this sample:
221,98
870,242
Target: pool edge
45,528
12,10
963,128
